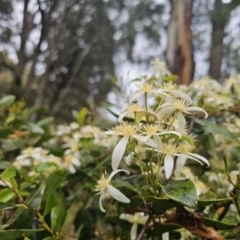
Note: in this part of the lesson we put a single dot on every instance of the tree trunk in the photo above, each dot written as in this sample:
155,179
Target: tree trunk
180,50
219,17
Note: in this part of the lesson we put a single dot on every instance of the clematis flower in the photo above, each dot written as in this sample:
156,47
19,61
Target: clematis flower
104,188
133,110
170,151
145,88
137,218
71,161
180,106
160,67
171,89
150,130
126,131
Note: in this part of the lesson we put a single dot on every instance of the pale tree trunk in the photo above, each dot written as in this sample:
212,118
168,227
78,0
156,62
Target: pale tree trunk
179,50
219,18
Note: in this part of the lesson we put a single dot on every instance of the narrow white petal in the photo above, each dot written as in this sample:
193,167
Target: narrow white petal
117,171
197,109
165,111
199,157
143,220
188,156
158,141
168,165
135,95
100,202
165,236
134,231
127,217
118,152
181,121
122,115
110,132
171,132
180,163
150,142
182,95
117,194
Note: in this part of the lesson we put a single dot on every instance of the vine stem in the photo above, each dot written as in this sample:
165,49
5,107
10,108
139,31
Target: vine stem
144,228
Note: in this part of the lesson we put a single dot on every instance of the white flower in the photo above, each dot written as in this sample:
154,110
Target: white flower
180,106
71,160
137,218
146,88
104,188
127,131
171,150
136,112
171,89
150,130
160,66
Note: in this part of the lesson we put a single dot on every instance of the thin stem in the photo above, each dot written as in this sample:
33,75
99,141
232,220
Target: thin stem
144,228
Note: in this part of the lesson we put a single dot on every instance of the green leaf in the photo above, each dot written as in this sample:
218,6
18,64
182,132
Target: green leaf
217,224
211,127
42,167
53,182
4,205
26,238
203,203
17,233
6,194
58,215
208,142
5,165
182,191
225,163
7,100
52,201
84,222
49,238
45,122
33,128
5,132
14,217
160,205
9,173
81,116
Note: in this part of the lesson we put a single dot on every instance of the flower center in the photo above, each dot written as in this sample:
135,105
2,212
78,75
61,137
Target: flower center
102,183
179,104
169,149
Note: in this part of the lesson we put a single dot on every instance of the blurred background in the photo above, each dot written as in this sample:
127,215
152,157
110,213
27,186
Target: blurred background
61,55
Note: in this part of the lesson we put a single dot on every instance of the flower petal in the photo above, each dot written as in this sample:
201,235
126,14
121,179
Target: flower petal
181,121
122,115
128,217
168,165
135,95
165,111
117,194
182,95
199,157
134,231
118,152
100,202
165,236
117,171
198,109
180,163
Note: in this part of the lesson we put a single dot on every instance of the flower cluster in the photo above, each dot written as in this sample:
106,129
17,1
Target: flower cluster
68,139
153,136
